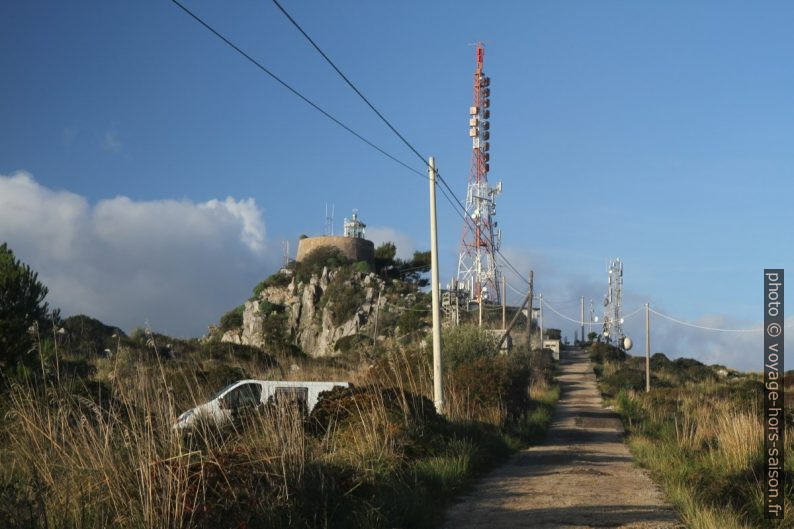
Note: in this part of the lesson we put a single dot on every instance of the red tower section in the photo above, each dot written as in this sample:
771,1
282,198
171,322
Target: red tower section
480,239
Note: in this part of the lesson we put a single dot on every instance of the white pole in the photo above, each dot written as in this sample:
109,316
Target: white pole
529,311
581,308
540,306
438,383
504,303
647,348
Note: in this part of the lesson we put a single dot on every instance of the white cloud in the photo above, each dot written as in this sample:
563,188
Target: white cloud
404,243
111,142
176,264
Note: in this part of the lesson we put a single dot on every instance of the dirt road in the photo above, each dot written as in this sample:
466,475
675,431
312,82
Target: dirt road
581,476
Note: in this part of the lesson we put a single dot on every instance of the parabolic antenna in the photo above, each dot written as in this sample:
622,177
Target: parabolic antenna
627,343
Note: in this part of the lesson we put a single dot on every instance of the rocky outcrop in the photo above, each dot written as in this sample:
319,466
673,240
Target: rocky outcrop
307,317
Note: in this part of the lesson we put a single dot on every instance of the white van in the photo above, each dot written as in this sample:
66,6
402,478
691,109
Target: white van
249,394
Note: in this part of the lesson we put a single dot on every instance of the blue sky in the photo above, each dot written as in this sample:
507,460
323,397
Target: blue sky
657,132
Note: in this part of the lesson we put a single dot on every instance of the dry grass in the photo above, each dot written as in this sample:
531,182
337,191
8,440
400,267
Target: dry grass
75,459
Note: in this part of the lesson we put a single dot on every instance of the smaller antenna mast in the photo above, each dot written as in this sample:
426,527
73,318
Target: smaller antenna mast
329,221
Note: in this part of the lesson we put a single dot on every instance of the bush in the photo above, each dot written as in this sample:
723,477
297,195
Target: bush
319,258
343,407
350,343
267,308
343,297
361,267
602,352
90,337
413,318
466,343
232,319
22,307
274,333
497,382
624,378
279,279
247,353
384,256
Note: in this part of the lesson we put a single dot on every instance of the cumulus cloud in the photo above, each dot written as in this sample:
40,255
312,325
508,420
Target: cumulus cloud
562,288
404,243
175,264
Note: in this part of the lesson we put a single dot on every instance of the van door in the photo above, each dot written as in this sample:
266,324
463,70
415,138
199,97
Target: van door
292,396
243,399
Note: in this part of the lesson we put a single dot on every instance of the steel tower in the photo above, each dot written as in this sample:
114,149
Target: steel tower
613,304
480,239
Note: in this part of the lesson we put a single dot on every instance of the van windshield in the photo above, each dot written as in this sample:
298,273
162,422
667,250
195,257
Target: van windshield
222,391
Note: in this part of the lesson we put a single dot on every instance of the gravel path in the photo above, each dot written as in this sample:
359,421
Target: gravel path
581,476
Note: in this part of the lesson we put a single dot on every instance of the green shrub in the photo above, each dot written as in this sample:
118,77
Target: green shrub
353,342
279,279
343,297
248,353
342,407
231,320
22,306
89,336
493,382
602,352
384,256
413,318
624,378
266,307
319,258
274,332
361,267
465,343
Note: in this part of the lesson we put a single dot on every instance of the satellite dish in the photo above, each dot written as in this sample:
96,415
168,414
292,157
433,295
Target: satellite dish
595,319
606,333
627,343
621,320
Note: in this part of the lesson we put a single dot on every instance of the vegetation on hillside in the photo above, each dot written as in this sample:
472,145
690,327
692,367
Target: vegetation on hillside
699,432
89,442
24,315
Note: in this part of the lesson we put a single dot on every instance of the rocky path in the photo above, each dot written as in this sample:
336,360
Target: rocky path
581,476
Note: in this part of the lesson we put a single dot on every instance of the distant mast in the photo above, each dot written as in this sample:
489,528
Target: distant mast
613,304
480,239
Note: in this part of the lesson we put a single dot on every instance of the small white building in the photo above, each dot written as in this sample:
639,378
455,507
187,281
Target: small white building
554,345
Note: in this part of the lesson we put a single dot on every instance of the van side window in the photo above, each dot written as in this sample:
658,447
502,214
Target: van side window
293,394
244,396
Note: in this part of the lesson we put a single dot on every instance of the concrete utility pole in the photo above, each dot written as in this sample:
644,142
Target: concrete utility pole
438,384
591,317
504,303
529,311
512,323
647,348
375,331
581,317
540,322
480,309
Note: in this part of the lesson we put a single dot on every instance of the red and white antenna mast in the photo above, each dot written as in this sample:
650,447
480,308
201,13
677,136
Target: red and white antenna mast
480,240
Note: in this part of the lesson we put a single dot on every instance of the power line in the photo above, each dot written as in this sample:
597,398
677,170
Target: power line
348,81
338,122
295,91
393,129
551,308
693,325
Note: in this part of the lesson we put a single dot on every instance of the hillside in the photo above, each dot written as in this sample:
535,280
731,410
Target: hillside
86,437
325,305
